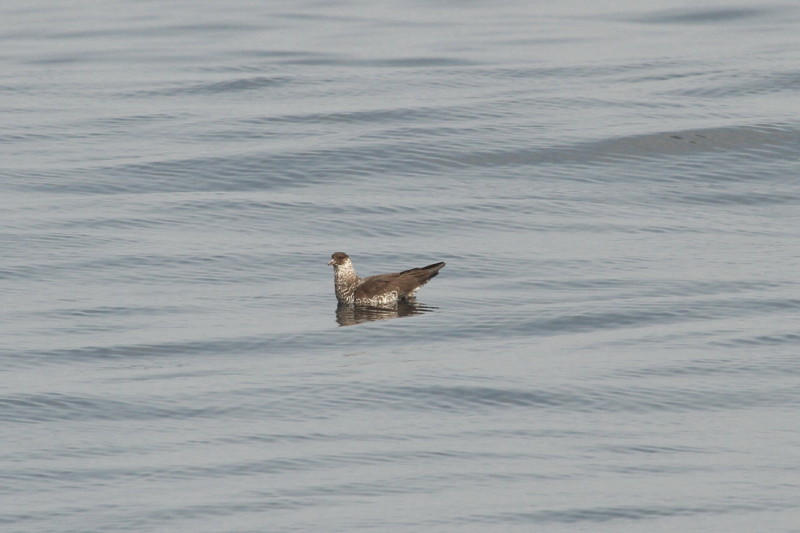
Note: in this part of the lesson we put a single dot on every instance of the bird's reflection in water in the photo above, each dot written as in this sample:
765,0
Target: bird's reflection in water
350,315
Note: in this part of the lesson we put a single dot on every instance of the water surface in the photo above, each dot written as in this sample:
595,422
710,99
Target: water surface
612,345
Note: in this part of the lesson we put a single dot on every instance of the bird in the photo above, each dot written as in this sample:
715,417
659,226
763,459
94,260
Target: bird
380,290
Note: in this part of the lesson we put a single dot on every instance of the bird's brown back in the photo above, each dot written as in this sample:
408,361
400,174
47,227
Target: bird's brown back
405,282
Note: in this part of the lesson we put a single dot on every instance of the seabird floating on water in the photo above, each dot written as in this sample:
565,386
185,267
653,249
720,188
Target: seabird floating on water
380,290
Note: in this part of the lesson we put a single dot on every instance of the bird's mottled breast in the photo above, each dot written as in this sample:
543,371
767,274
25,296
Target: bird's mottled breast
345,284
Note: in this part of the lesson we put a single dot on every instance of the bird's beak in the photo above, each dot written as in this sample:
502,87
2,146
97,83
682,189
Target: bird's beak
330,262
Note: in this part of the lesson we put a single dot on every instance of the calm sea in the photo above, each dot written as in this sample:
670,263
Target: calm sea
614,344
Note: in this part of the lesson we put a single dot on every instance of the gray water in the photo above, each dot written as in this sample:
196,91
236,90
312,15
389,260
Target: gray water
612,346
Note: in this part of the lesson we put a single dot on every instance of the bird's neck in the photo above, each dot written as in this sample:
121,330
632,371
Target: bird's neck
345,282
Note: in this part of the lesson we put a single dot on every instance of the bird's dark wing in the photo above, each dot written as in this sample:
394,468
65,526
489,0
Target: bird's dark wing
403,283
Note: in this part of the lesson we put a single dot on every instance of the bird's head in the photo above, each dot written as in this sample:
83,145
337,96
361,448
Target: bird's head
339,259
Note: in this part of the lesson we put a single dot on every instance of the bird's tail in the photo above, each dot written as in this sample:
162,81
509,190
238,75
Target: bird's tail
423,274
